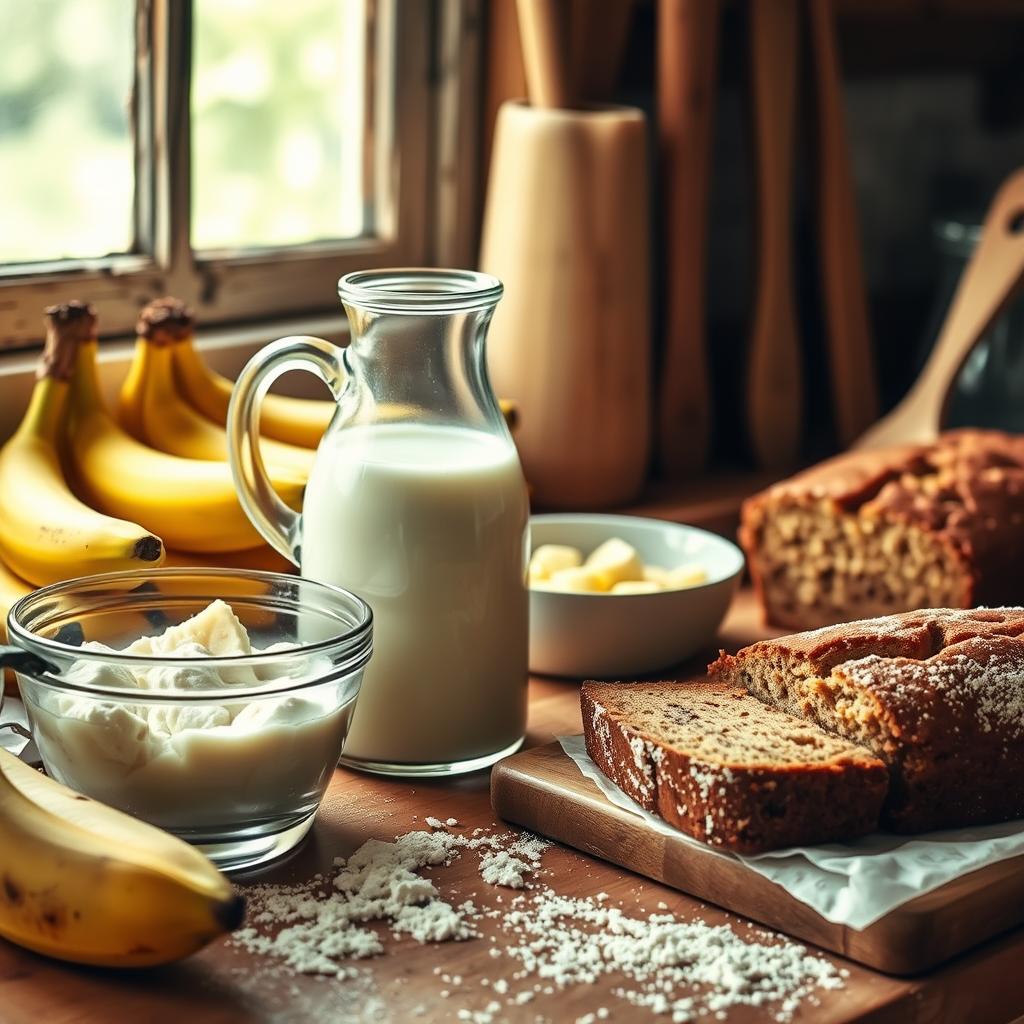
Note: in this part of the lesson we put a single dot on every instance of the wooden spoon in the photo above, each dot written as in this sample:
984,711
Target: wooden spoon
774,377
546,30
986,287
851,362
687,59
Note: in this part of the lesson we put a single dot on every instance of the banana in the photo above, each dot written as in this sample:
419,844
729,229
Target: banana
265,558
191,503
299,421
46,533
616,560
636,587
577,579
152,410
12,588
84,882
549,558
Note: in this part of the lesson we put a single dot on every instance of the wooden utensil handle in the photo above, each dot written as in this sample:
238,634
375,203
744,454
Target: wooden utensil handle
851,362
991,278
687,51
545,28
774,382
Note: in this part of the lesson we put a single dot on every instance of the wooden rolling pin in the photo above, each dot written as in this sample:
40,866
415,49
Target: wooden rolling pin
987,285
774,377
687,47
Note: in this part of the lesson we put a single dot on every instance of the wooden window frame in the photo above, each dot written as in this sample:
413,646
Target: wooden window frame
423,64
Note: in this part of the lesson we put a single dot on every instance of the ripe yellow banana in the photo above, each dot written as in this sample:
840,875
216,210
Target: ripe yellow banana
300,421
46,533
84,882
12,588
152,410
191,503
265,558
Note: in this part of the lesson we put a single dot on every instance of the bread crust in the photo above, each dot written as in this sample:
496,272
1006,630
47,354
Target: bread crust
937,694
965,492
743,808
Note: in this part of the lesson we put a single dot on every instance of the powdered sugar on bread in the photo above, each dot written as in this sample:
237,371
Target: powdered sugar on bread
729,771
937,694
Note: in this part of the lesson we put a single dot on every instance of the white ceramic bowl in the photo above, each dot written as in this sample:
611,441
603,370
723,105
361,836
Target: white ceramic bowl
607,636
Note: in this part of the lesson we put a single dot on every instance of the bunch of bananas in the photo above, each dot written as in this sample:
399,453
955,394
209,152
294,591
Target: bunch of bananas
84,491
86,883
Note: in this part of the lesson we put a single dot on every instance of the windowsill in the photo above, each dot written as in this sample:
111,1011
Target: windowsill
711,501
226,349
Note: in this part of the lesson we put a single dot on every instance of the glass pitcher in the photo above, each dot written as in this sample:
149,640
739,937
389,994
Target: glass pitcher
417,503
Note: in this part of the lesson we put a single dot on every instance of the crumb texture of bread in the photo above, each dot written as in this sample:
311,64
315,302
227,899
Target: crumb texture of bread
728,769
938,695
878,532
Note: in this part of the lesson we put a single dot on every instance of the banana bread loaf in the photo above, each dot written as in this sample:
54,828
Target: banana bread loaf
938,695
729,770
876,532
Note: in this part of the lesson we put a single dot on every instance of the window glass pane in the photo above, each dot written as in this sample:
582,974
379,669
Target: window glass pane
66,154
277,121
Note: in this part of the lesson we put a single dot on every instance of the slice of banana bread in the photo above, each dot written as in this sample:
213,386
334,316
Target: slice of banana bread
938,695
876,532
729,770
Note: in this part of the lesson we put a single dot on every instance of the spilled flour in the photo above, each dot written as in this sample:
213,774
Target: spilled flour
683,969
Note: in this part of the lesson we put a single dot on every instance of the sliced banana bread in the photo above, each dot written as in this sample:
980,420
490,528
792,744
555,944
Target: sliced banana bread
938,695
729,770
877,532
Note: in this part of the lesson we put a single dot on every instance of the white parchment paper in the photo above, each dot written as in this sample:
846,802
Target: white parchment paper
852,884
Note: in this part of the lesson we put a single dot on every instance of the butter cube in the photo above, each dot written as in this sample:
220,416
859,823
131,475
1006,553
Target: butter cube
686,576
549,558
579,580
656,574
637,587
617,560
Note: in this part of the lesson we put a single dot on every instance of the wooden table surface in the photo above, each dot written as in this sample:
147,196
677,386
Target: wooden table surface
223,984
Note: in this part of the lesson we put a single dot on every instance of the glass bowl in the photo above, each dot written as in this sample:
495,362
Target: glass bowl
231,753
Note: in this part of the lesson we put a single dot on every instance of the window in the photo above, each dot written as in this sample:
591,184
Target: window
240,154
278,101
66,157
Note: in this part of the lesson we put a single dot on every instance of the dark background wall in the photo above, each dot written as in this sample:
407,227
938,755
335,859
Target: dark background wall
935,117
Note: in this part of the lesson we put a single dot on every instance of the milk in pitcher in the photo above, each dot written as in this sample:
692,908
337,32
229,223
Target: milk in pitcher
429,525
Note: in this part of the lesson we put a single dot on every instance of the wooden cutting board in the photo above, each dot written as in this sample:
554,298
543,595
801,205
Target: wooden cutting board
543,790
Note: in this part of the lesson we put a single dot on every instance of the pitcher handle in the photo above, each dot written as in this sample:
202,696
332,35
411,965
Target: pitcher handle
279,524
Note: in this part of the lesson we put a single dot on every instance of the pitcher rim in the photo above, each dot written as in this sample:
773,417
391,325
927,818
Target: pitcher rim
419,289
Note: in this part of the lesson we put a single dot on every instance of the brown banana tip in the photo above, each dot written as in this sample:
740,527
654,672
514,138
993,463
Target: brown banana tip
68,324
148,549
165,321
230,913
66,312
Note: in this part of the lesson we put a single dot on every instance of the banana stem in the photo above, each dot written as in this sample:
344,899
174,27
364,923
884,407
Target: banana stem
165,321
67,326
